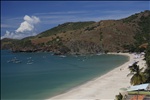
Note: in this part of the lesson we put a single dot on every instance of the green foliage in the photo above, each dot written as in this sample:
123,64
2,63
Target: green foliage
55,41
129,47
41,44
147,55
143,36
147,58
145,24
147,74
119,97
131,18
89,28
65,27
143,32
28,38
7,43
106,51
138,76
9,40
101,36
24,43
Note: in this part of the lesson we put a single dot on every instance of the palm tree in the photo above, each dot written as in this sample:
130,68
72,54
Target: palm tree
138,76
147,58
147,74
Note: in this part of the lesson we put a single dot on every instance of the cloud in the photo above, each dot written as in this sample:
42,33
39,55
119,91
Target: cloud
7,35
26,28
13,35
28,24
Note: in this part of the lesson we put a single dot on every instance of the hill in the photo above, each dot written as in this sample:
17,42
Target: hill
126,34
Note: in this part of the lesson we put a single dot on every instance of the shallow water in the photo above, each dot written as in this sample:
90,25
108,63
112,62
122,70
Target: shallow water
42,75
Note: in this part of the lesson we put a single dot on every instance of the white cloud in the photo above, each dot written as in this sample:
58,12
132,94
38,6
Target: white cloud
26,28
13,35
8,35
28,24
31,20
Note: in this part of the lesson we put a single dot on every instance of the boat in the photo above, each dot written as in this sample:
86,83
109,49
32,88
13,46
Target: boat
29,57
62,56
99,54
8,61
30,63
18,61
14,60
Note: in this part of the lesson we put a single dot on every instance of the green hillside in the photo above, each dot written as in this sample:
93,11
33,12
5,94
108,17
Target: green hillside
65,27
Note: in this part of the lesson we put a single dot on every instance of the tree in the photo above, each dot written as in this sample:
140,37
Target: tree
147,58
138,76
147,74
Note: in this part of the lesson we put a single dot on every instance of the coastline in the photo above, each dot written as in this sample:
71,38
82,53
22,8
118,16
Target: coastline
103,87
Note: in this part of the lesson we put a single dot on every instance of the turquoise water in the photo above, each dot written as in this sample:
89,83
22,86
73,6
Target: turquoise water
42,75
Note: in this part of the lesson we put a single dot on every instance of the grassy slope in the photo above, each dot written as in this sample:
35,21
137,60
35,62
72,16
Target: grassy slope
65,27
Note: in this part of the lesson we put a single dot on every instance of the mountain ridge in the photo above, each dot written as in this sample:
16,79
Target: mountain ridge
88,37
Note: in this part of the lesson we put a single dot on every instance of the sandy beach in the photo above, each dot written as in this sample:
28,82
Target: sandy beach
104,87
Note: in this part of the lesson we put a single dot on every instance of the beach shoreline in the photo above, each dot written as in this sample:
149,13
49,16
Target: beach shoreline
104,87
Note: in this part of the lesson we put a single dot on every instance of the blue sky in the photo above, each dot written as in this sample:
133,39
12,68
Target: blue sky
25,18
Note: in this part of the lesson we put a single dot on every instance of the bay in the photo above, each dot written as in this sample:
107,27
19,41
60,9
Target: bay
43,75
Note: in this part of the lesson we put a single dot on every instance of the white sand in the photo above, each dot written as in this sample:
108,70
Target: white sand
104,87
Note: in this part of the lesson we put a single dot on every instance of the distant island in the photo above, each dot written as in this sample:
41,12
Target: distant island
124,35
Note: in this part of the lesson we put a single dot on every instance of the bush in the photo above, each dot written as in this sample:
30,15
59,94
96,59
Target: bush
119,97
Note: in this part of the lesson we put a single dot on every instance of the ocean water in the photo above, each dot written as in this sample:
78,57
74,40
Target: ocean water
43,75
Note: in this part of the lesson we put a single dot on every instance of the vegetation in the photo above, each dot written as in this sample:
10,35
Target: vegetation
139,92
41,44
147,55
138,76
55,41
89,28
131,18
147,58
119,97
129,47
24,43
7,43
65,27
143,36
